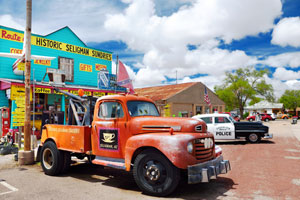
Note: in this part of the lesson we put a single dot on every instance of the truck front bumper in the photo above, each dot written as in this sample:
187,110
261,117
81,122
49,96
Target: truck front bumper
268,136
204,172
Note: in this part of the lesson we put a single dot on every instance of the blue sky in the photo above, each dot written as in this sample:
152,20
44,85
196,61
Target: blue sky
197,40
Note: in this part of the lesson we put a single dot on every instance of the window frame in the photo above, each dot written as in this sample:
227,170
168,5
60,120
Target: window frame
60,67
110,118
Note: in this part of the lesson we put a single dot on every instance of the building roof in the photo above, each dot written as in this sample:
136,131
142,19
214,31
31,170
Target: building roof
264,105
163,92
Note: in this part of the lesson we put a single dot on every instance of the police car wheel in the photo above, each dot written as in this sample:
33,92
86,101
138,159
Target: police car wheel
253,138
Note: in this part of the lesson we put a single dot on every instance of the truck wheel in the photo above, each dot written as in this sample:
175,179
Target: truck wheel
66,158
285,118
155,174
250,120
51,159
266,120
253,138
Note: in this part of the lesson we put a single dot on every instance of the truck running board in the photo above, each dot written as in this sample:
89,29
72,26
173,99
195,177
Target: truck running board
110,162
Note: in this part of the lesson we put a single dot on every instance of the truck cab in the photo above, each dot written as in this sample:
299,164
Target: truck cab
128,133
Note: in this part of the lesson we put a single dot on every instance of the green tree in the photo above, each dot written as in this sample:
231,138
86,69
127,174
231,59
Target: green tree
242,86
291,99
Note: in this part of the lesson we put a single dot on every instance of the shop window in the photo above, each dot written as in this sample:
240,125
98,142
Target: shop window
67,65
198,110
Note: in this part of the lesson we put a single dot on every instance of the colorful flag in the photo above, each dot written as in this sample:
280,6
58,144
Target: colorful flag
123,78
206,98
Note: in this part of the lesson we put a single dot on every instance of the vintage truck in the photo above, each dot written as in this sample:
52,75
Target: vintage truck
127,133
224,127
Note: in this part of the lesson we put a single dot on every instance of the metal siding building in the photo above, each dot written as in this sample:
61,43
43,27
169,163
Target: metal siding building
64,35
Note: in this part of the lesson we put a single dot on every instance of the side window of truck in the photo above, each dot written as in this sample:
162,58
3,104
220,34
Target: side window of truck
221,120
110,110
207,120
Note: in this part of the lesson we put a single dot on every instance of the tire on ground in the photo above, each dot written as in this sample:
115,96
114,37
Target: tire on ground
155,174
66,161
253,138
51,159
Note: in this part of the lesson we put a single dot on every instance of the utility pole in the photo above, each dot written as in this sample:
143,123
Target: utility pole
27,156
27,130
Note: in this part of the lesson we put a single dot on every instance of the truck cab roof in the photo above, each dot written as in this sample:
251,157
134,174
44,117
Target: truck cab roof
125,97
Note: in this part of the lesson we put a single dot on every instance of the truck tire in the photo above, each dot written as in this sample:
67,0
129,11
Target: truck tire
51,159
266,120
250,120
253,138
155,174
285,118
66,161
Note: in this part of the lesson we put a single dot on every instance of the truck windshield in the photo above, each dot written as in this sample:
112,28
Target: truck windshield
141,108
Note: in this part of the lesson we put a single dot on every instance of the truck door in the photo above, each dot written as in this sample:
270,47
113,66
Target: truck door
223,128
109,134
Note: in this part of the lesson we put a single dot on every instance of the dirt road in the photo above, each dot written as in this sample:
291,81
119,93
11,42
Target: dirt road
269,170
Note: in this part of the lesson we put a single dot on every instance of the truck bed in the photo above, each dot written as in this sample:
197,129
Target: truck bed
69,137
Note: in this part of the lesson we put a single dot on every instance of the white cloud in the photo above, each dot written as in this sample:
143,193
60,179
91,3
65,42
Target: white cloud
163,40
283,60
148,77
287,32
284,74
280,86
10,21
209,81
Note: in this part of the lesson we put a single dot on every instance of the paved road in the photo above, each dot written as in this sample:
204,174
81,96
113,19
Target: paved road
269,170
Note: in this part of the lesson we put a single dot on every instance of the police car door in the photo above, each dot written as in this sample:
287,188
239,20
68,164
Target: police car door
223,128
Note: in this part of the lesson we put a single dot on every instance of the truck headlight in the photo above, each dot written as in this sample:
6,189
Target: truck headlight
190,147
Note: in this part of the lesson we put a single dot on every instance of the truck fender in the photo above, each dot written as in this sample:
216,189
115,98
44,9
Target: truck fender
174,147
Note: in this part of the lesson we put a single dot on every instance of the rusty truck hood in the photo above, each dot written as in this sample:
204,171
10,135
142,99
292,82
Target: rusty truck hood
152,124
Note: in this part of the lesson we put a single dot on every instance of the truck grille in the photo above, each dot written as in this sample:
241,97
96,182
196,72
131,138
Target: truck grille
201,153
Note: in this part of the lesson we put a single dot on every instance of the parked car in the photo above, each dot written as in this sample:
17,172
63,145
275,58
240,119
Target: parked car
224,127
282,115
263,117
273,116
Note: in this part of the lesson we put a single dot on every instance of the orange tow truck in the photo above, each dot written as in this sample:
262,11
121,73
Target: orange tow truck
127,133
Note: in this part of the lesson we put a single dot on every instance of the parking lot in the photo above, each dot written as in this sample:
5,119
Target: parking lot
268,170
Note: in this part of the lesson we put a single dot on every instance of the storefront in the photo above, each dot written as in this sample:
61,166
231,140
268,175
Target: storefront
76,65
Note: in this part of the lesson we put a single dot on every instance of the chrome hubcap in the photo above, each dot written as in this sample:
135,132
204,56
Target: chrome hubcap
153,173
253,137
48,158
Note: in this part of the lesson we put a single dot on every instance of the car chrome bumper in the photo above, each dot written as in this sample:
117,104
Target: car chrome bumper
204,172
268,136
